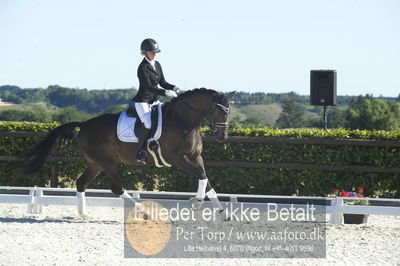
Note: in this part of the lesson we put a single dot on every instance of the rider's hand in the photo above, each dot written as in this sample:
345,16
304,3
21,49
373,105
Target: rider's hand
176,89
171,93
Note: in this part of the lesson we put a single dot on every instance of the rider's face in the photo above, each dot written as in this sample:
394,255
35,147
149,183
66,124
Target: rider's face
150,55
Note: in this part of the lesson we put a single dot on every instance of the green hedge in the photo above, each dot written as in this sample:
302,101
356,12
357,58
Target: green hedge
239,180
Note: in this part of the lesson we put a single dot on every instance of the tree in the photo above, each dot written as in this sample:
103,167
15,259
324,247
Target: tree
14,99
314,122
115,109
291,115
337,119
234,122
252,122
29,115
69,114
248,122
366,112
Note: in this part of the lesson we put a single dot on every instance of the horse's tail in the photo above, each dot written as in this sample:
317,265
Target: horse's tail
36,158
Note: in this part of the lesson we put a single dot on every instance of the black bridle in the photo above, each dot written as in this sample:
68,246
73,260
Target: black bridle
217,104
227,111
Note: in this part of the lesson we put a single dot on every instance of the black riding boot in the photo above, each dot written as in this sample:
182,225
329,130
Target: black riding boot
141,153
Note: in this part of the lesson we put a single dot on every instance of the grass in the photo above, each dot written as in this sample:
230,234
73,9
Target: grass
266,113
45,107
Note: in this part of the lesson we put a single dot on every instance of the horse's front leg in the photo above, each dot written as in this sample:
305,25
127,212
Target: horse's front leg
195,166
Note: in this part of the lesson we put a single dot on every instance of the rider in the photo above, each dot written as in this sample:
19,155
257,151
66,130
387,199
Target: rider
150,75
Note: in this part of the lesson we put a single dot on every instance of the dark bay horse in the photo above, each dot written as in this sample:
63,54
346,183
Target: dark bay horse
180,142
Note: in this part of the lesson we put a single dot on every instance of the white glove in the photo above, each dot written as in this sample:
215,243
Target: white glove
170,93
176,89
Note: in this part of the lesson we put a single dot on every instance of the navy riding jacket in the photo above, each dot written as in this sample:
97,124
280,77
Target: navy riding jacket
148,81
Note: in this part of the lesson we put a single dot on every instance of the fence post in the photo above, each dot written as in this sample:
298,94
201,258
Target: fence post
32,194
336,215
37,209
34,208
135,195
233,199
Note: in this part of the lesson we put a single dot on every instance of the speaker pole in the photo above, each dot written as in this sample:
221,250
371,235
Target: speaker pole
325,119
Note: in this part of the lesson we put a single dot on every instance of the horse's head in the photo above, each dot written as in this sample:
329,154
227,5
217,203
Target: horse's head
218,114
203,104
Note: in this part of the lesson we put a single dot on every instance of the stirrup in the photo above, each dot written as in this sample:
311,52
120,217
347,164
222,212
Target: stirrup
141,157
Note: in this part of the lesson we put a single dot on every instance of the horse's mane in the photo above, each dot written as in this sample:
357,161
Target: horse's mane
198,91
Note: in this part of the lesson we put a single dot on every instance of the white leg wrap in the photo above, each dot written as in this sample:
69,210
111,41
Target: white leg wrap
201,191
125,195
212,194
81,203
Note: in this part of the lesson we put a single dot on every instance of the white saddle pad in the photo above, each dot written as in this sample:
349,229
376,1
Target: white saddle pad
126,124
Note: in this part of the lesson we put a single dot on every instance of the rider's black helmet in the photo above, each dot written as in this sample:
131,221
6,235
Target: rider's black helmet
149,45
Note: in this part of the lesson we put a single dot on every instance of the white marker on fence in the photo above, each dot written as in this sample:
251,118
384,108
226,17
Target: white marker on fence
336,215
34,208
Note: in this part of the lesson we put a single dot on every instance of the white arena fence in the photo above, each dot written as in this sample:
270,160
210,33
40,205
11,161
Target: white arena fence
37,197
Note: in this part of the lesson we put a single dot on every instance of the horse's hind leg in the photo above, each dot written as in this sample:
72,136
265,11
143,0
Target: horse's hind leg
88,175
111,169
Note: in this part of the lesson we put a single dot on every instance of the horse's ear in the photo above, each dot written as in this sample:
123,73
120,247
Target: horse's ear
229,95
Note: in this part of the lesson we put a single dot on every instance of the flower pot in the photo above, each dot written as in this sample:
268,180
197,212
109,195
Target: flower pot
355,218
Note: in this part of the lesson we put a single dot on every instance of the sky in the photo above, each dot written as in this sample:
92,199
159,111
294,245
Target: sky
247,45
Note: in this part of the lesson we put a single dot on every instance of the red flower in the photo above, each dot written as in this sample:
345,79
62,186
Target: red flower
344,194
360,196
360,189
336,191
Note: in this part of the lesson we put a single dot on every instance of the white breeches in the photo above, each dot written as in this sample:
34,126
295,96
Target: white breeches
144,112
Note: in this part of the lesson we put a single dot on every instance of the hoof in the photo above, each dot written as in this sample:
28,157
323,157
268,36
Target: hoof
84,215
146,215
224,215
196,203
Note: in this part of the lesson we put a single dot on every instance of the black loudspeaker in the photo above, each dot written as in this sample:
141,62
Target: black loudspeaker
323,87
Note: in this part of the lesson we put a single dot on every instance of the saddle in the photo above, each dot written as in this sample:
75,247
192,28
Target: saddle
129,121
131,112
